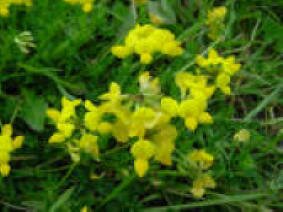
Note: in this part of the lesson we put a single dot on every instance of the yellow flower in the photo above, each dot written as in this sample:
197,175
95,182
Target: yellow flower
74,151
63,119
7,130
213,59
216,14
148,84
145,58
120,131
5,4
191,108
197,85
142,151
201,184
84,209
181,80
7,146
142,119
147,40
242,135
68,108
4,157
223,82
86,5
53,114
215,21
193,112
5,169
114,94
224,68
18,142
201,158
92,118
4,12
169,106
121,51
165,143
88,143
230,66
66,129
141,166
104,127
57,137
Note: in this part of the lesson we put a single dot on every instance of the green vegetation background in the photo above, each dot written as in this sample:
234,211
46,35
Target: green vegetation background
72,58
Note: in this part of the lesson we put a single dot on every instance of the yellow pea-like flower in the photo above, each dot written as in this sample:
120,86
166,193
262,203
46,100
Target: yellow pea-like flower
165,142
202,159
18,142
223,82
88,143
6,4
7,146
222,68
147,40
242,135
87,5
141,166
201,184
120,131
121,51
205,118
57,137
4,157
215,21
191,123
143,118
142,151
104,127
169,106
5,169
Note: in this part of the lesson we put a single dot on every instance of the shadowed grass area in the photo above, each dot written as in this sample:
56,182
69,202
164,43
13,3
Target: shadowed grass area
73,58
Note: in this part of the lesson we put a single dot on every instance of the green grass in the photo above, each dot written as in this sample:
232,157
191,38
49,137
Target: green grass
73,58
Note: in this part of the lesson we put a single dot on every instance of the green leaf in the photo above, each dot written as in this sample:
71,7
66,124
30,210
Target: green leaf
273,32
33,110
62,200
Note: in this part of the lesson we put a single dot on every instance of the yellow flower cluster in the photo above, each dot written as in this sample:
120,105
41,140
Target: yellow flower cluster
201,161
87,5
144,118
7,146
223,68
149,126
203,182
65,121
146,40
5,4
147,122
195,94
215,21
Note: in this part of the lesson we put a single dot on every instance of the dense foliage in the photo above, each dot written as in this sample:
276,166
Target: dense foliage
141,105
